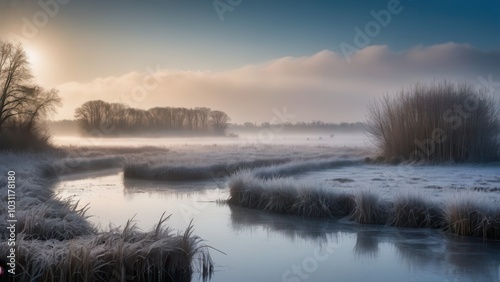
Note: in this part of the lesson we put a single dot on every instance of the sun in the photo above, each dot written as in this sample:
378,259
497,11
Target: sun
36,60
34,57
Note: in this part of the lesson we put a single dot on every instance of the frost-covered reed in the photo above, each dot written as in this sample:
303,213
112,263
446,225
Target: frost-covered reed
467,216
437,122
56,242
193,172
464,216
284,195
115,255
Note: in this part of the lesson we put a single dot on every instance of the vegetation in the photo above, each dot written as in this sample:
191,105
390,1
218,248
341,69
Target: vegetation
464,217
115,255
265,162
414,211
200,172
56,242
314,126
23,104
111,119
438,122
284,195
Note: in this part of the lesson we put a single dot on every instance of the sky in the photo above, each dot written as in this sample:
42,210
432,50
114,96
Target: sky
317,60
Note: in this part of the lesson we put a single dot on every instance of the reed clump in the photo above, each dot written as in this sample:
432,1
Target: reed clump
437,122
466,216
369,208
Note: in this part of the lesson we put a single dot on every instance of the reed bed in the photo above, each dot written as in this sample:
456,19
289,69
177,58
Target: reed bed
209,162
59,167
193,172
303,166
115,255
284,195
437,122
463,217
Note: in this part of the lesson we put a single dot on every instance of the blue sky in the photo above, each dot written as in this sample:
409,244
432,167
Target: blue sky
255,31
85,41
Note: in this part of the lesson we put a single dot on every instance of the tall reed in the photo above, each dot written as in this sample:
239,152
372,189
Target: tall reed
437,122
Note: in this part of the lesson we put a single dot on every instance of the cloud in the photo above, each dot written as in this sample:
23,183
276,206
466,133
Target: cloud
318,87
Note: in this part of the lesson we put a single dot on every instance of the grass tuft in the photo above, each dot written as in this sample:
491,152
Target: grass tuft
369,209
414,211
469,217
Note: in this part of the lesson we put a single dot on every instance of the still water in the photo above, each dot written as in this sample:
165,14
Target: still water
258,246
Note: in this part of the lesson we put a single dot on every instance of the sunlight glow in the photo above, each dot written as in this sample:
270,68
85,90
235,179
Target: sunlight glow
34,57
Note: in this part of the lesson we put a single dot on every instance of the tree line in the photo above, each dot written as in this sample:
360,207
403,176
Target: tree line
303,126
116,118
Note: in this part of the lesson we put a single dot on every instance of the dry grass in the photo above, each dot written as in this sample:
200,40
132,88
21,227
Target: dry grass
68,165
213,162
285,195
409,126
369,209
115,255
193,172
303,166
414,211
465,217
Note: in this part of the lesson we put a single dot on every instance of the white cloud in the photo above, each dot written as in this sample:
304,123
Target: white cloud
318,87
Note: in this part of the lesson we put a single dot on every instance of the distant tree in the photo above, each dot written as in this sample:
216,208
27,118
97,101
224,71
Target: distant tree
265,125
112,119
219,121
203,116
91,115
248,125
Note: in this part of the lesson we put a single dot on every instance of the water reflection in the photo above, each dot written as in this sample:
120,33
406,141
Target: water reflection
367,243
180,190
261,246
418,249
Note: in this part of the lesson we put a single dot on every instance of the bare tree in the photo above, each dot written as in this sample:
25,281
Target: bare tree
43,102
22,103
219,121
91,115
202,116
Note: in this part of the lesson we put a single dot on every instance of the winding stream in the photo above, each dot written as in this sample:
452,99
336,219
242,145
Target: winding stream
259,246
